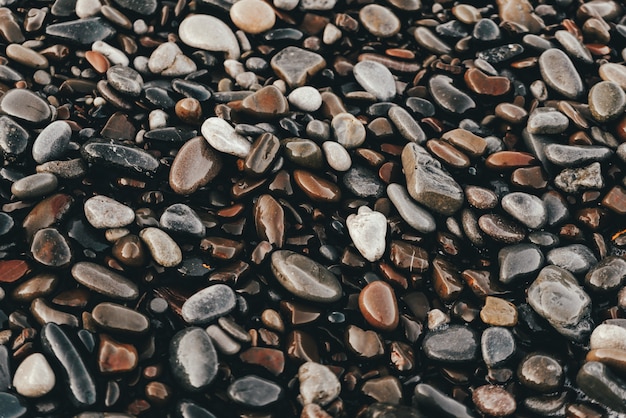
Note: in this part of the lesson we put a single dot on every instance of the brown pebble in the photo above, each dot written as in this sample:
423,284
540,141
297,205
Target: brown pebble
446,280
494,401
447,153
130,251
481,83
378,306
98,61
480,197
317,188
271,359
194,166
189,110
116,357
615,200
504,160
13,270
498,312
267,102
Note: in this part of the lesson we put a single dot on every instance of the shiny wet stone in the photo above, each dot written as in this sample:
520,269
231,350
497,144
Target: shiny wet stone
209,304
192,358
253,391
455,344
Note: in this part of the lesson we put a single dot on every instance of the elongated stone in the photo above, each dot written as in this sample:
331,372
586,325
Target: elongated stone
113,154
600,384
104,281
193,32
438,404
208,304
194,166
193,359
78,379
558,71
376,79
116,318
448,97
269,220
304,277
413,214
222,136
102,212
254,392
25,105
35,185
81,31
164,250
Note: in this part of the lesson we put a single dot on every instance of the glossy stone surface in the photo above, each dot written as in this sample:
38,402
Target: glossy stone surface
193,360
378,306
208,304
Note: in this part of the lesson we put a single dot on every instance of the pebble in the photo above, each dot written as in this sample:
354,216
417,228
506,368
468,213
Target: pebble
209,304
575,258
608,336
12,406
545,120
146,7
115,357
365,344
428,183
306,98
222,136
494,401
606,276
498,312
437,403
104,281
115,155
194,166
613,72
13,138
34,377
414,215
576,155
50,248
304,277
318,384
295,65
34,186
526,208
607,101
269,219
193,360
252,16
448,97
26,106
558,72
263,154
254,392
454,344
303,152
164,250
125,80
317,4
572,180
180,218
102,212
87,8
519,261
598,382
193,33
222,341
486,30
541,372
348,130
26,56
363,182
556,296
428,40
368,230
81,31
406,125
498,346
119,319
376,79
379,21
337,156
168,60
378,306
317,188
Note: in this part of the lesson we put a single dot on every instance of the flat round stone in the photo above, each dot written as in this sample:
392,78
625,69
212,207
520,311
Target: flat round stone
104,281
501,229
607,101
348,130
35,185
541,372
306,98
267,102
304,277
162,247
254,392
498,312
519,261
377,303
526,208
193,359
497,346
222,136
379,20
180,218
125,80
208,304
50,248
194,166
558,71
376,79
193,32
252,16
102,212
613,72
34,377
337,156
494,401
25,105
455,344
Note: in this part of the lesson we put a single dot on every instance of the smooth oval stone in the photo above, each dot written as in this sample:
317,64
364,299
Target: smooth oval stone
104,281
546,120
556,296
267,102
125,80
318,383
252,16
455,344
368,230
102,212
526,208
448,97
303,152
193,359
296,65
264,152
52,142
26,56
576,155
208,304
377,303
494,401
376,79
414,215
12,406
598,382
363,182
337,157
559,73
428,183
613,72
608,336
428,40
607,275
304,277
428,398
501,229
305,98
194,166
25,105
120,319
497,345
47,212
143,7
541,372
607,101
192,32
519,261
269,219
574,48
77,379
163,248
13,138
180,218
406,125
575,258
379,21
222,136
81,31
34,377
50,248
35,185
317,188
254,392
113,154
348,130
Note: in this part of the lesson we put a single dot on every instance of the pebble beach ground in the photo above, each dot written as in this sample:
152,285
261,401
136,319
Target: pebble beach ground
312,208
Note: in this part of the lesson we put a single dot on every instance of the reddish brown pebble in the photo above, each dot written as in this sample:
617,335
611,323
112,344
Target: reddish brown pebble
494,401
271,359
267,102
504,160
481,83
501,229
317,188
612,357
530,177
98,61
378,306
189,110
269,219
130,251
472,144
446,280
615,200
116,357
195,165
447,153
408,257
13,270
158,393
313,410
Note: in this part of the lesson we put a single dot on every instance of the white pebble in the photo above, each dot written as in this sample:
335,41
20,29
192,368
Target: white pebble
140,27
233,68
337,156
368,230
34,377
331,34
306,98
286,4
99,101
157,119
87,8
318,384
113,54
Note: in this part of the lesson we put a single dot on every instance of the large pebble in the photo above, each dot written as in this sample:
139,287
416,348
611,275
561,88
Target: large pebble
163,248
318,384
497,345
168,60
193,359
431,399
545,120
208,304
572,180
558,71
557,297
337,156
252,16
195,165
455,344
35,185
34,377
119,319
81,31
575,258
304,277
607,101
368,230
104,281
113,154
222,136
448,97
613,72
598,382
608,275
306,98
13,137
193,32
125,80
377,303
143,7
376,79
180,218
541,372
576,155
608,336
102,212
50,248
526,208
519,261
25,105
379,20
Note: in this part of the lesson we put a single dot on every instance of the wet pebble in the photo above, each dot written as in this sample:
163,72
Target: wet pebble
254,392
607,101
34,377
318,384
102,212
164,250
455,344
368,230
376,79
35,185
209,304
193,360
